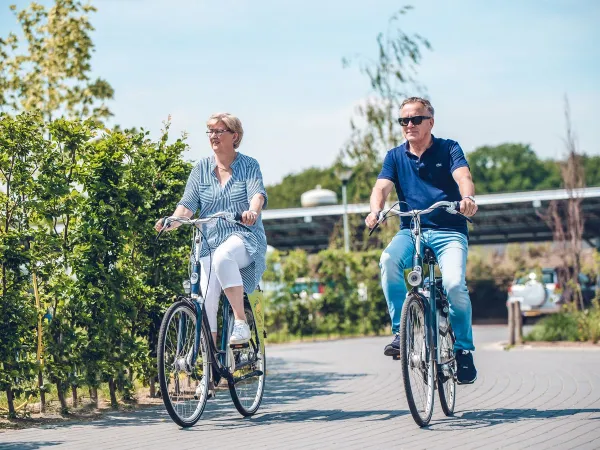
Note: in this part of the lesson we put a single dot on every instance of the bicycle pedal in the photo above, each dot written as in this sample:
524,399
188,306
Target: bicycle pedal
396,357
239,346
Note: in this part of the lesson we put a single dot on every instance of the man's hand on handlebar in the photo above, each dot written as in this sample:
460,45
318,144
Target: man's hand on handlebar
372,219
468,207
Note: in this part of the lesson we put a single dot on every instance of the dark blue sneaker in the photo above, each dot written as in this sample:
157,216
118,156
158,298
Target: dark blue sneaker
466,371
393,348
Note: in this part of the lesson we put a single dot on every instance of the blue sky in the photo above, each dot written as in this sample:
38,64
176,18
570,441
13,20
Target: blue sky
498,71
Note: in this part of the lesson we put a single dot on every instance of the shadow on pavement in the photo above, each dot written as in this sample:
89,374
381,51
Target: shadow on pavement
288,384
309,415
492,417
26,445
285,384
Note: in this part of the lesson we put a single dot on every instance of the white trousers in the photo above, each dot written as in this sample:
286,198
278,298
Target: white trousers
227,260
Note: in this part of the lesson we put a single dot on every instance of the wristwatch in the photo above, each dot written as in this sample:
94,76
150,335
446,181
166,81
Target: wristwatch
470,197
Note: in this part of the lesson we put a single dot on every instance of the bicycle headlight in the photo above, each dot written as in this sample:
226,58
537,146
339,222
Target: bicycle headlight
414,278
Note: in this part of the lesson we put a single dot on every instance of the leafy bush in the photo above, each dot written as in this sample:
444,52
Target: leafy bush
569,325
562,326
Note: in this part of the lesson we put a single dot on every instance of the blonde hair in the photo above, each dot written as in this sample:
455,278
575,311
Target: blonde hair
232,123
426,103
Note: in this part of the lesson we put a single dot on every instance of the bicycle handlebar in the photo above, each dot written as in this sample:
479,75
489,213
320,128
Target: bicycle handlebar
450,207
229,217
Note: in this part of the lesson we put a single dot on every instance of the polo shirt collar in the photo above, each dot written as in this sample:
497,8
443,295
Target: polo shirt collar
407,150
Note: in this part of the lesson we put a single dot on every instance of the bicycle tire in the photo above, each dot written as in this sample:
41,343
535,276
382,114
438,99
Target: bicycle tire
185,406
247,394
447,381
415,369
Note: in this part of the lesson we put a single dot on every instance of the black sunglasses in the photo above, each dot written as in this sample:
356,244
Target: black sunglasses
416,120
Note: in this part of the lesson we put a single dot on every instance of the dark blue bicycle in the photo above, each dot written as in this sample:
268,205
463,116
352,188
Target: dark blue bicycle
190,365
426,336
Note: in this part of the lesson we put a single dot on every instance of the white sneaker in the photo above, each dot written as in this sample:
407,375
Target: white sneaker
241,333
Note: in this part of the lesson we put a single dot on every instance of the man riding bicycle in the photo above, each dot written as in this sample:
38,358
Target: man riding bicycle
425,170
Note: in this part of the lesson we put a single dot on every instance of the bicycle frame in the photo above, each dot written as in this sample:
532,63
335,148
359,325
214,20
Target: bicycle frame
415,277
430,302
197,299
191,364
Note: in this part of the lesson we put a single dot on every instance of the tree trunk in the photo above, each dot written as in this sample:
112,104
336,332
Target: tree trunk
152,388
113,393
119,382
11,403
61,398
42,392
74,395
94,395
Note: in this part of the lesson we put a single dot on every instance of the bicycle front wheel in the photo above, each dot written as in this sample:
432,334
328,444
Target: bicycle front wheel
446,372
248,382
417,366
183,375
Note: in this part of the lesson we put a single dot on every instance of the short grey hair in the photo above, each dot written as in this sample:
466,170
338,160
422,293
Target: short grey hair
426,103
232,123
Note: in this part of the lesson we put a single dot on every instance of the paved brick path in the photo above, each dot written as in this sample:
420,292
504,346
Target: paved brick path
346,394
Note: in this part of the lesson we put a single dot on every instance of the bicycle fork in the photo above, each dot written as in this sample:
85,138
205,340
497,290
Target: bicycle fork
431,320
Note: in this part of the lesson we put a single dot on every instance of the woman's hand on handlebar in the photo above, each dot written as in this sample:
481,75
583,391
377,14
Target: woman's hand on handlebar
249,217
159,225
180,211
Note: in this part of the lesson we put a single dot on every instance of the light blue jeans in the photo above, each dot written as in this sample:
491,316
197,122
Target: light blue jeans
450,248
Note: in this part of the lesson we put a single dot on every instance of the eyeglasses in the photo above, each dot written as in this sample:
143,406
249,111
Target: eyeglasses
217,132
416,120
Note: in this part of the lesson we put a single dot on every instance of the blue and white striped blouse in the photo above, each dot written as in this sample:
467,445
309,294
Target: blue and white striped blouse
204,192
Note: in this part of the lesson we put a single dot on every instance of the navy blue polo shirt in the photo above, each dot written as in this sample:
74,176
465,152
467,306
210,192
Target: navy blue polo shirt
421,182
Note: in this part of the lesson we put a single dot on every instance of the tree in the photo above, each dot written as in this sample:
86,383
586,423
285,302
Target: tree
511,167
52,74
100,240
153,270
391,76
22,145
287,193
592,169
566,219
60,200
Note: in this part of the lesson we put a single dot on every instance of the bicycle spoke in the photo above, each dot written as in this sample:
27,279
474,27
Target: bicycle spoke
417,368
418,365
183,384
248,385
446,382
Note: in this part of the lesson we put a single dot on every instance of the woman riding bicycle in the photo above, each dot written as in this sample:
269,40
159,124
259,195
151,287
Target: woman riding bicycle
232,257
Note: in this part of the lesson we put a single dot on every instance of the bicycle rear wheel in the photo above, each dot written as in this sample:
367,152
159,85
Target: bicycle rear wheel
248,382
446,372
417,368
183,385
